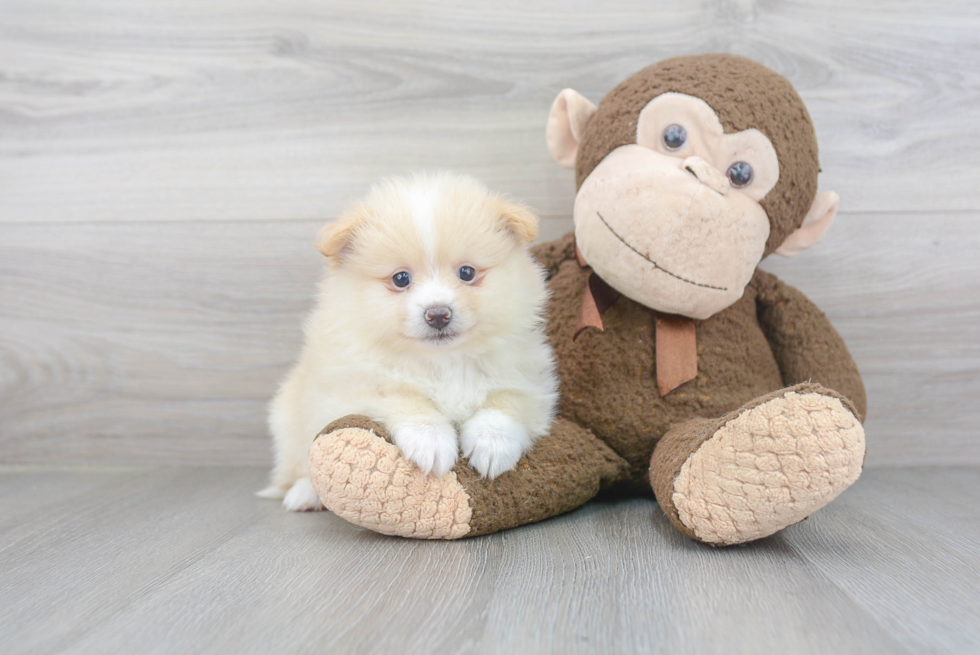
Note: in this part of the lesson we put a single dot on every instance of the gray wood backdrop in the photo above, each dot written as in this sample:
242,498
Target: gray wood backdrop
164,165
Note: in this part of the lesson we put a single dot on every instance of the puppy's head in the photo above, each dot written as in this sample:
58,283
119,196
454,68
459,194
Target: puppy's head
434,262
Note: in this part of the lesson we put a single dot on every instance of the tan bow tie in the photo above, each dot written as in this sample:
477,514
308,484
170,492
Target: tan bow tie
677,345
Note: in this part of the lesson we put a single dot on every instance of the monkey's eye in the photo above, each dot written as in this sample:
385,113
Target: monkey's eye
467,273
740,174
675,137
401,279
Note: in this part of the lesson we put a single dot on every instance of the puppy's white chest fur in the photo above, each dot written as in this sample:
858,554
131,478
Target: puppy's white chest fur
457,386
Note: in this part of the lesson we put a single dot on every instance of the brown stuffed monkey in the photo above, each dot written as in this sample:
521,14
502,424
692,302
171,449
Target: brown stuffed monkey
684,369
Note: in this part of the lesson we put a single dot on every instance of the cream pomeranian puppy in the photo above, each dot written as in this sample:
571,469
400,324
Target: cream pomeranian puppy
430,321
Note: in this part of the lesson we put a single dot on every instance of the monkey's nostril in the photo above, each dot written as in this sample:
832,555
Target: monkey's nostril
706,174
438,317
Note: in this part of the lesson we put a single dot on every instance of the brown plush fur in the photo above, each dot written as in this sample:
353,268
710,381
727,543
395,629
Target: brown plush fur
744,94
356,421
564,470
613,424
609,381
615,432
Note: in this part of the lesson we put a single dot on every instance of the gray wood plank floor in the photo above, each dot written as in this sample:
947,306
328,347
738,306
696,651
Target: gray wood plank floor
187,560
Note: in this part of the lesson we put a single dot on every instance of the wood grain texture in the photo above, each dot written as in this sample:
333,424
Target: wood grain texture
180,110
162,342
185,560
904,292
164,165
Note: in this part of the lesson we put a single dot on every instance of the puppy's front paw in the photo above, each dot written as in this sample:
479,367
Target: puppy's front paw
493,442
431,447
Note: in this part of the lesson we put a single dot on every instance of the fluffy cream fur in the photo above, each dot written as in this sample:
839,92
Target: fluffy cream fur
485,382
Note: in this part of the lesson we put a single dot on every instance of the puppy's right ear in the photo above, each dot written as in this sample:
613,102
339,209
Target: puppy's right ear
334,237
520,221
569,113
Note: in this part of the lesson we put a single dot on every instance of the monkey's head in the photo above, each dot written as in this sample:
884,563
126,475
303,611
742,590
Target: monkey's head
689,173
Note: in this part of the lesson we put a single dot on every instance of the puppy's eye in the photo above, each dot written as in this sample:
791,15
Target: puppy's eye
740,174
675,136
467,273
401,279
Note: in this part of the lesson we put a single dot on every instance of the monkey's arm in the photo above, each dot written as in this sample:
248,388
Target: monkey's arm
551,254
806,345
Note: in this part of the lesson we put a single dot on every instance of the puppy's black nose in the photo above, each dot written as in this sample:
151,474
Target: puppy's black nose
438,317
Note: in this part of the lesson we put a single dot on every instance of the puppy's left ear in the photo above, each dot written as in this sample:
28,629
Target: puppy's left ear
334,237
520,221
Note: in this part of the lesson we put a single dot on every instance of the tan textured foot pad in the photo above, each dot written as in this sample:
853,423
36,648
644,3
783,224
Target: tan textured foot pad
364,479
769,467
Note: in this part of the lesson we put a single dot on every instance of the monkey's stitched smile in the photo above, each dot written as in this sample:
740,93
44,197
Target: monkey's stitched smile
655,264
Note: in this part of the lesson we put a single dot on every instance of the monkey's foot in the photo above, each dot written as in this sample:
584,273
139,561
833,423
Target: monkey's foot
363,478
762,468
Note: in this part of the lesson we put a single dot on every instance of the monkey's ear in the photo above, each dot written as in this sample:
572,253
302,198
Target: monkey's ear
815,225
569,113
335,236
520,221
